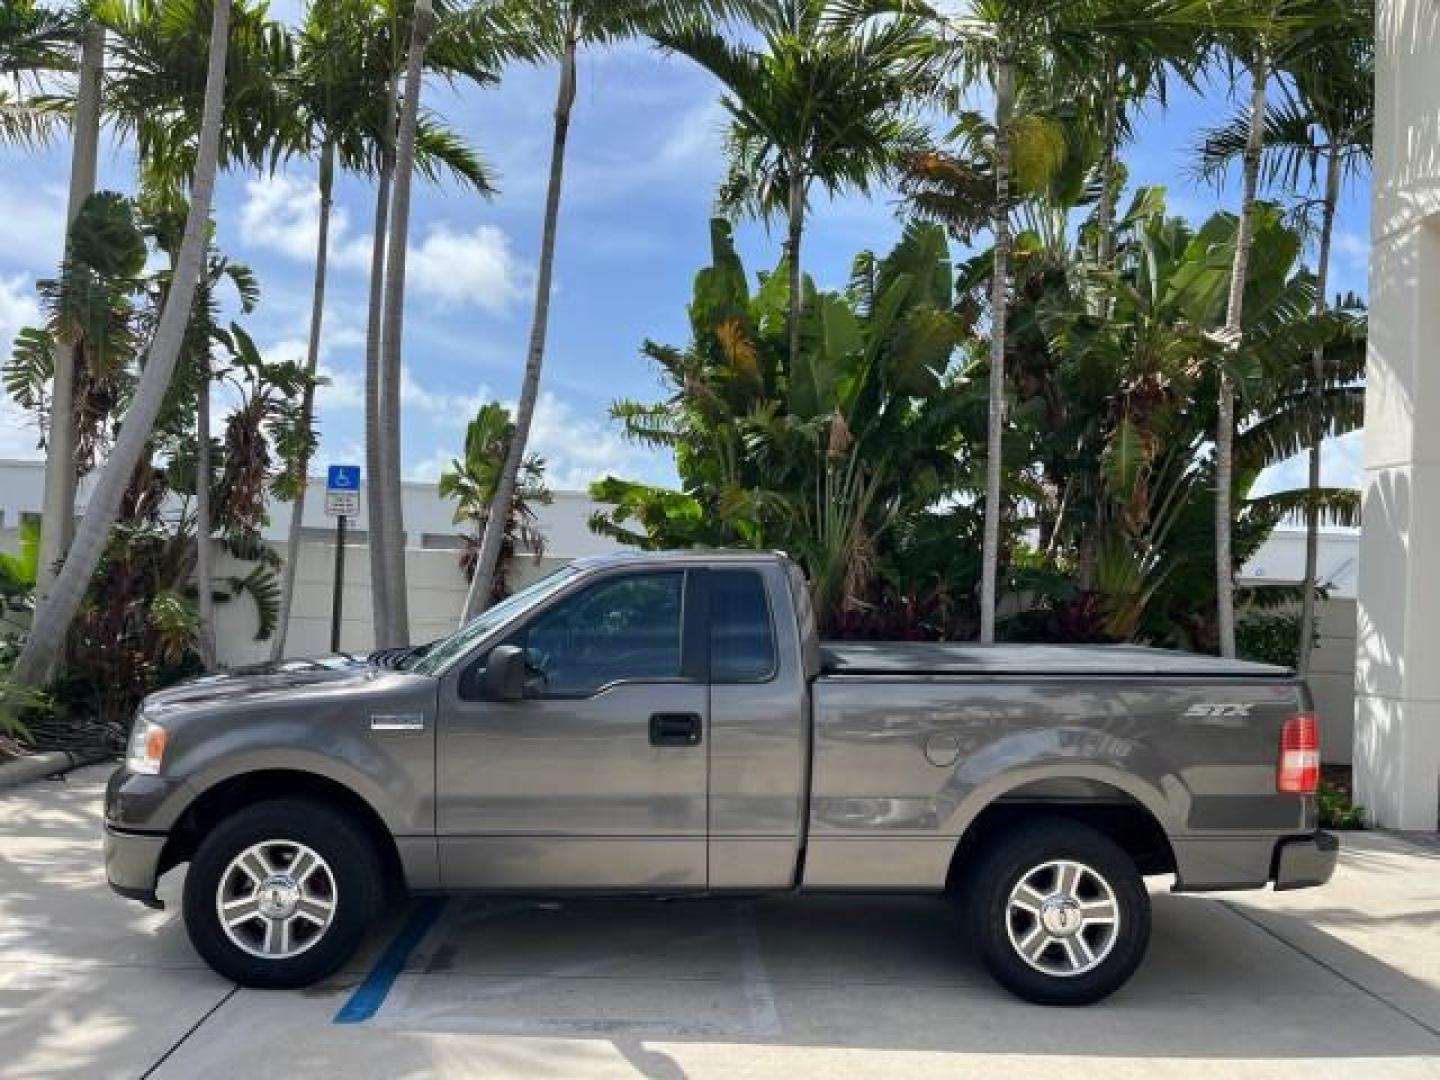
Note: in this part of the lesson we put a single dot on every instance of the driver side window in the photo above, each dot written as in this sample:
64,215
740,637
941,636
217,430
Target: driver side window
621,628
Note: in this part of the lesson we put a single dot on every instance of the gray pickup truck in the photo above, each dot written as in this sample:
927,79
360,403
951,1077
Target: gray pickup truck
671,724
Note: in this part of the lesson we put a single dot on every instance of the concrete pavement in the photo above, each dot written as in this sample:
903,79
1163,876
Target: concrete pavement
1342,981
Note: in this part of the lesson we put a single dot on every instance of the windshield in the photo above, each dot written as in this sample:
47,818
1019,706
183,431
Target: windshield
446,651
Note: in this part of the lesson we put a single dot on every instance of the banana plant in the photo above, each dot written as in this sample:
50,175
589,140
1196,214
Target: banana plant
833,457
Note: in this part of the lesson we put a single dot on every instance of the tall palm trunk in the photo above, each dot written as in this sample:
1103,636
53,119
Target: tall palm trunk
488,558
381,618
795,214
204,571
999,298
1105,208
392,525
1317,392
307,400
57,518
53,617
1234,315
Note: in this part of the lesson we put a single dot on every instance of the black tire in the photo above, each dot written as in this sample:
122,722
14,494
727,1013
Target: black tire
996,927
351,860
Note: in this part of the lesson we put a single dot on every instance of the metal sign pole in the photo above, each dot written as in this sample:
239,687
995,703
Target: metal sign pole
337,601
342,502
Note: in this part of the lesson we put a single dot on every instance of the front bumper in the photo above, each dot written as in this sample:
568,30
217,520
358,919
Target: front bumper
132,862
1302,862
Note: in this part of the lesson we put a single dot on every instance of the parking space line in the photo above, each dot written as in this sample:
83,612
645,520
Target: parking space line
758,991
371,993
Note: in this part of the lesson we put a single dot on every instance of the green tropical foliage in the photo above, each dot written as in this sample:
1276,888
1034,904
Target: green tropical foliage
35,41
862,459
472,482
837,458
139,622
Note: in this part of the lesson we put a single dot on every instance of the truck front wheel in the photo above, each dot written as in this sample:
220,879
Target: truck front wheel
281,893
1059,912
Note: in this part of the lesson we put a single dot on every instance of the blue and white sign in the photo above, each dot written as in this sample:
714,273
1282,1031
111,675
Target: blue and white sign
342,490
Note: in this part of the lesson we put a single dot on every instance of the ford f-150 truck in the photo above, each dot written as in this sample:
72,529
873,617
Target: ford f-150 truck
664,724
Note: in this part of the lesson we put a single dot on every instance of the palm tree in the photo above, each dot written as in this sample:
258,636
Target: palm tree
467,43
822,100
53,618
471,481
1141,43
157,93
1268,33
390,530
1323,128
34,42
557,30
57,517
342,104
1009,45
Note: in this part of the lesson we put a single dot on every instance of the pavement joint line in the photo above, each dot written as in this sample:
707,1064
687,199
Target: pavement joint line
1331,968
190,1031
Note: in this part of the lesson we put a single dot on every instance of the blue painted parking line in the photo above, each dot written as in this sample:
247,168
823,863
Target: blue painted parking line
371,994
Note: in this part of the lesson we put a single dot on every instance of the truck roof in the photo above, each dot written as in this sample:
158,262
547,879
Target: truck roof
945,658
700,556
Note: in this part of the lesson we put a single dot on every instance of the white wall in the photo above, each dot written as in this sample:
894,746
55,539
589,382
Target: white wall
1332,678
1397,674
436,586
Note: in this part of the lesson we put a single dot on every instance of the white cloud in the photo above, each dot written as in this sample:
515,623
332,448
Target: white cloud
578,448
18,309
34,231
1353,249
443,408
342,390
475,268
430,468
282,214
1342,464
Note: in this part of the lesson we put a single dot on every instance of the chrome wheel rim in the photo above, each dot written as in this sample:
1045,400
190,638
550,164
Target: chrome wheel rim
1062,918
276,899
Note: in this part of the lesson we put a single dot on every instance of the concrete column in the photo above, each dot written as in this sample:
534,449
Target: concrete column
1397,671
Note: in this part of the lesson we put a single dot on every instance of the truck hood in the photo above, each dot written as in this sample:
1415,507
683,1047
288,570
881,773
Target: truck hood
284,680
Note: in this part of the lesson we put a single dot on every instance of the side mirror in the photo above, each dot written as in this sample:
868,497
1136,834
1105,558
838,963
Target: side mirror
504,678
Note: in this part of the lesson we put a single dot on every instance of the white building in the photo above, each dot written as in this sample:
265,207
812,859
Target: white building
1397,668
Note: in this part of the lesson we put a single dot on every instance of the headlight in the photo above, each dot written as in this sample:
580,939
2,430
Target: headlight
147,746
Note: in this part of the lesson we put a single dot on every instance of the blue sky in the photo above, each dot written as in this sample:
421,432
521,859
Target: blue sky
643,165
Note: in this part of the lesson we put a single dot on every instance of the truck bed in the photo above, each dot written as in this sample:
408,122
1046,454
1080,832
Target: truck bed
842,658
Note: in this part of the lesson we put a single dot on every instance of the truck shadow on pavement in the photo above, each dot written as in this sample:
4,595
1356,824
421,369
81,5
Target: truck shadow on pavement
892,973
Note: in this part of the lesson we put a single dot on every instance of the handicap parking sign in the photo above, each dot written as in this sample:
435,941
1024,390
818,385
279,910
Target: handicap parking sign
343,478
342,490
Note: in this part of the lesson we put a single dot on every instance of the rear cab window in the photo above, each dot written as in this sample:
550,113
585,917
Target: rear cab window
742,631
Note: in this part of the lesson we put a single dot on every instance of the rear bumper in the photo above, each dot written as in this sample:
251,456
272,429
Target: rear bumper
1302,862
132,862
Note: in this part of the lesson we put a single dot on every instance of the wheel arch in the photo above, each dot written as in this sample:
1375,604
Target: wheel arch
224,797
1133,821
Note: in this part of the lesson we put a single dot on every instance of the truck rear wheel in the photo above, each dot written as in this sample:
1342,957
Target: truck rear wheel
281,893
1059,912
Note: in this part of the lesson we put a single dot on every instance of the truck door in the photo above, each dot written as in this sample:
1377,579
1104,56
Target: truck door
597,778
759,729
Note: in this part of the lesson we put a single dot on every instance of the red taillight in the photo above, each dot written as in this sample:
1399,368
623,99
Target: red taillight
1299,769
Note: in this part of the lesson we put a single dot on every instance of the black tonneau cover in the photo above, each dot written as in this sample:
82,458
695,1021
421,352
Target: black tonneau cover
943,658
